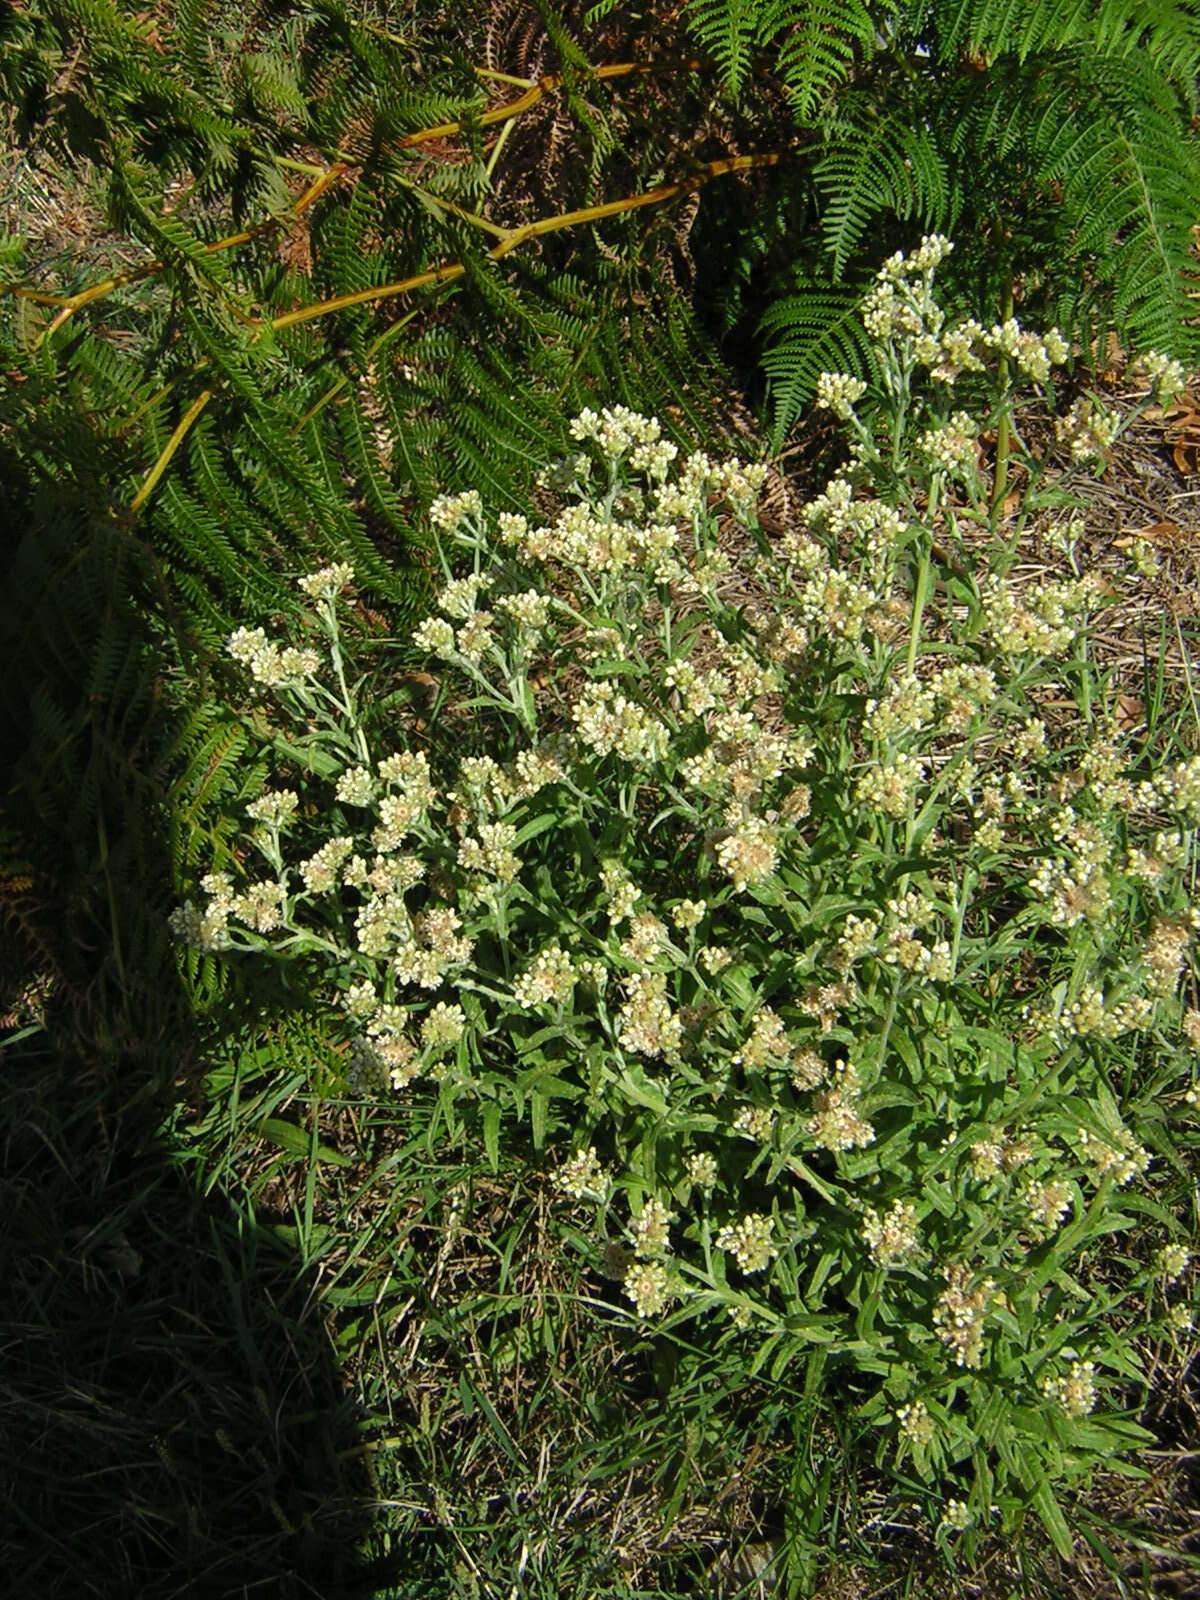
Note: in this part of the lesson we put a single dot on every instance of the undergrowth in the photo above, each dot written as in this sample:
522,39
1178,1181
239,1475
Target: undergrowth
839,976
276,1326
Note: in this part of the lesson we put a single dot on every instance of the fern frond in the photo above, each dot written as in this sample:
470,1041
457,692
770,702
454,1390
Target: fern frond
728,31
1166,32
812,42
817,42
816,330
1133,185
873,166
1102,143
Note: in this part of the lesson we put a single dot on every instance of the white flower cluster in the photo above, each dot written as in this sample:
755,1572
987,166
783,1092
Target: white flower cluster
1074,1393
737,483
696,691
377,1067
1071,897
702,1169
1088,431
901,302
889,785
274,808
871,524
959,1313
856,940
637,532
902,305
548,980
407,808
205,931
459,598
443,1026
714,958
611,724
1093,1015
953,446
320,870
648,1285
836,1123
906,708
916,1424
750,1241
449,511
651,1228
1034,354
956,1515
328,583
1044,620
645,941
1117,1156
1166,375
356,787
837,392
999,1154
485,780
1172,1262
390,1045
808,1070
581,1176
621,891
1179,787
767,1045
750,852
893,1238
688,915
435,948
962,692
1164,953
646,1022
260,907
268,664
755,1122
616,430
956,352
832,602
1047,1204
491,853
930,253
528,609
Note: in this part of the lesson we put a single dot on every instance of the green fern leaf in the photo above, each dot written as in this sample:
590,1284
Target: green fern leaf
817,330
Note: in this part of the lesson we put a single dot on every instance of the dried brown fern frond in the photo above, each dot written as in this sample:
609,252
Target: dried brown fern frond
541,160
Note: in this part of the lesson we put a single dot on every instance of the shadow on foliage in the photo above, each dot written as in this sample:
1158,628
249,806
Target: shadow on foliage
171,1421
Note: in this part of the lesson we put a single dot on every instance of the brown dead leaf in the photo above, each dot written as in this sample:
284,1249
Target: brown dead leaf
1152,533
1131,712
1181,430
295,247
422,687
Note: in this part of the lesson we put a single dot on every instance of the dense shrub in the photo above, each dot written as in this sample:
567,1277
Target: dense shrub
800,894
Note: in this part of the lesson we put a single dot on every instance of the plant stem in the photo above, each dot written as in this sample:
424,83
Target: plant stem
1004,424
921,587
335,655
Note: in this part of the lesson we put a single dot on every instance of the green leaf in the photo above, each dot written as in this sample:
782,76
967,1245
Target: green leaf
491,1134
539,1104
640,1092
297,1143
1055,1524
537,825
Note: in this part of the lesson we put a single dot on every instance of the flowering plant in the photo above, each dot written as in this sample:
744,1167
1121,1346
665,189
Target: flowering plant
835,967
